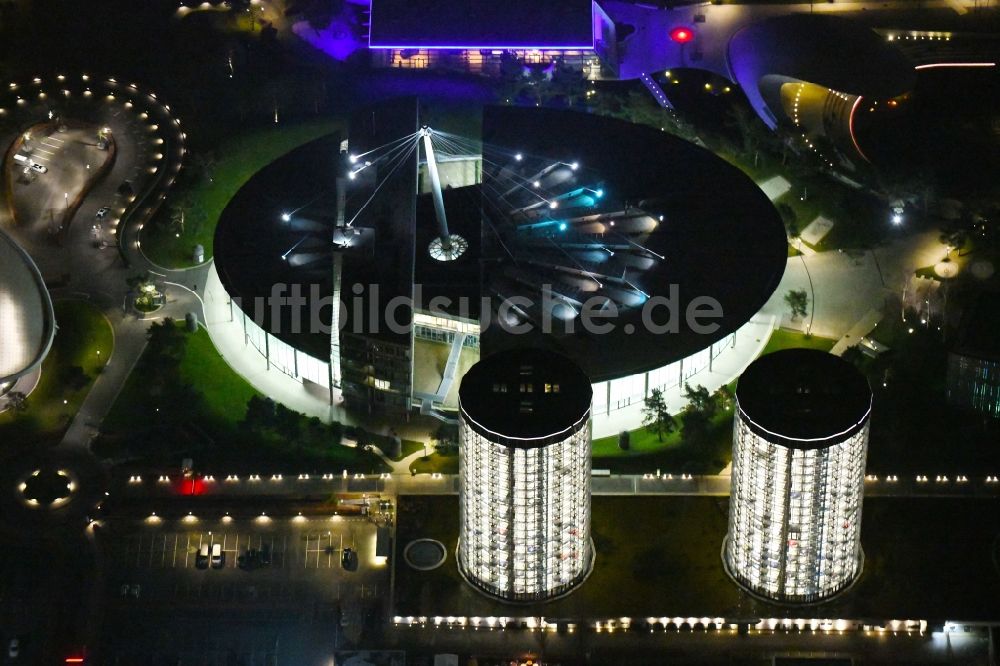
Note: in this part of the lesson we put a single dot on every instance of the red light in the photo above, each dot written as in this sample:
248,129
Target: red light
682,35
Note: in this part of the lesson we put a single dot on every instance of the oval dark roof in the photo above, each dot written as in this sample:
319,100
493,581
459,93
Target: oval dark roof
803,398
525,398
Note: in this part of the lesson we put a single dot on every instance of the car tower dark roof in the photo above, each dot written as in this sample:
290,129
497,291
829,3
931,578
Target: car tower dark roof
525,398
803,398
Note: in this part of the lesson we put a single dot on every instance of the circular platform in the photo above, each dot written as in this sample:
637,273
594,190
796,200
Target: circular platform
425,554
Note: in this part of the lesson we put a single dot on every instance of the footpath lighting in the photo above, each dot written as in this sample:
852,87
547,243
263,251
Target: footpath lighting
286,217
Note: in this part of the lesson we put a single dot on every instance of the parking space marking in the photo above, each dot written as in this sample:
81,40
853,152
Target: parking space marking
47,152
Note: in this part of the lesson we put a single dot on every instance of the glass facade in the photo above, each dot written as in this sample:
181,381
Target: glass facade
795,515
620,393
525,514
974,383
488,61
279,354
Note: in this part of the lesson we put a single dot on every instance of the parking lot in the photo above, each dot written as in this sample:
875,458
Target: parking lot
156,584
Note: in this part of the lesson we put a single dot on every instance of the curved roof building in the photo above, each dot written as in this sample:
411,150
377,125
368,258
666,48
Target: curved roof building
634,253
27,321
524,496
830,52
800,442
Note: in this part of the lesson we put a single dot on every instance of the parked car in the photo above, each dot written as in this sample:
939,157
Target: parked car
201,559
349,559
102,212
218,557
40,168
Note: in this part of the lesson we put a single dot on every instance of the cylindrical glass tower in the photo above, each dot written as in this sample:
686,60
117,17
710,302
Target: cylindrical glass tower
799,446
525,444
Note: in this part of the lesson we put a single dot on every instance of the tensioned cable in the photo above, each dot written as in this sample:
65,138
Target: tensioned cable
402,161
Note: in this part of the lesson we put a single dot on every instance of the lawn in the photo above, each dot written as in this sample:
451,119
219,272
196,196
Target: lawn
436,462
782,339
84,342
647,452
660,556
225,391
408,448
239,158
197,407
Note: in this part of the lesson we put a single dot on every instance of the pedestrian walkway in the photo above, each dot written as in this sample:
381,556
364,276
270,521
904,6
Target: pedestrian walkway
816,230
230,341
299,486
656,89
775,187
864,326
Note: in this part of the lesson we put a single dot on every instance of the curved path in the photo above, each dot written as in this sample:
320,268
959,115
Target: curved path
90,263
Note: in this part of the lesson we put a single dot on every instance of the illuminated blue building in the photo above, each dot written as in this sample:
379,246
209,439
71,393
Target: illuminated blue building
974,362
434,33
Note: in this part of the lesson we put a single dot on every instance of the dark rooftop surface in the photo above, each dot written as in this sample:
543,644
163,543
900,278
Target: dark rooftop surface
525,394
980,329
803,398
715,234
256,250
482,23
251,238
454,284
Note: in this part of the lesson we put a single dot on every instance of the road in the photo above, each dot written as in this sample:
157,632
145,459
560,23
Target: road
85,260
154,489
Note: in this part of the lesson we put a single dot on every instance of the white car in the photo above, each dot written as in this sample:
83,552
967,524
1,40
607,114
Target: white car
40,168
218,557
102,212
14,649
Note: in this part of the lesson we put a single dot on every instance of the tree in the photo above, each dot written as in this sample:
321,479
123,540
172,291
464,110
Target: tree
446,436
655,415
203,166
724,397
166,339
790,218
754,135
186,214
700,400
798,301
287,423
568,82
17,401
